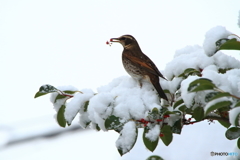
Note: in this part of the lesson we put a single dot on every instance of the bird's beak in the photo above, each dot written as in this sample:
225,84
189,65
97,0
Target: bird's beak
114,40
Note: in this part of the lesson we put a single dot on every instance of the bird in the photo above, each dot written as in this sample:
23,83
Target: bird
138,65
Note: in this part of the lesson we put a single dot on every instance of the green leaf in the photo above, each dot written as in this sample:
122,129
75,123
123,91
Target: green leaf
150,145
179,102
59,96
238,143
177,127
166,91
154,114
223,70
224,124
232,133
70,92
113,122
210,95
203,87
218,105
155,157
183,108
198,113
190,71
45,89
200,85
97,127
220,94
237,104
167,135
231,44
236,122
86,106
60,116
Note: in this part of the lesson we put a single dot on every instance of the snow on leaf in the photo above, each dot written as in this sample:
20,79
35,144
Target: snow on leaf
127,138
77,105
231,44
234,116
212,36
45,89
113,122
177,127
200,85
217,104
151,139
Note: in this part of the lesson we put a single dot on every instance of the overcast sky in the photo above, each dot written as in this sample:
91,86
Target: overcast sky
61,42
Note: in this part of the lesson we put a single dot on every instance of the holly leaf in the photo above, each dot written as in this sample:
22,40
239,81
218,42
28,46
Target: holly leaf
177,127
198,113
219,95
238,143
218,105
60,116
45,89
179,102
231,44
233,133
154,157
113,122
167,136
189,71
224,124
127,138
201,84
150,145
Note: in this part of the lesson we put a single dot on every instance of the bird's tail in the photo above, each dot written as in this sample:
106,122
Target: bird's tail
155,81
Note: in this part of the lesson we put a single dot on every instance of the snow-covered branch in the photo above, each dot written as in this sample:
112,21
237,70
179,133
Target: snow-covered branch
204,83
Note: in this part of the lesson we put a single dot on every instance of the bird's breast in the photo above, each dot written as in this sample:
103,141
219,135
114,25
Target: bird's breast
132,69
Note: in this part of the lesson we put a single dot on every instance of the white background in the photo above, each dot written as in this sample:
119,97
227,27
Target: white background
61,42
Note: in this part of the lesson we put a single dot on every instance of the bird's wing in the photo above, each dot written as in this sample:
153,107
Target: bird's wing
145,63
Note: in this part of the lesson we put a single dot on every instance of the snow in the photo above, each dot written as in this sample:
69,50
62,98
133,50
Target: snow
127,138
57,105
187,96
239,19
188,57
153,134
77,104
233,115
212,36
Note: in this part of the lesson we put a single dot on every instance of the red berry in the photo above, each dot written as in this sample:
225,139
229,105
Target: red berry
161,134
111,40
107,42
166,116
159,120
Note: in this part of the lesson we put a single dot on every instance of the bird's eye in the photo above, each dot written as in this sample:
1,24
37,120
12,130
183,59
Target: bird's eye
123,38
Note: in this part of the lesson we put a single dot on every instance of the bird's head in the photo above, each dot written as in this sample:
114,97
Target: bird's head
127,41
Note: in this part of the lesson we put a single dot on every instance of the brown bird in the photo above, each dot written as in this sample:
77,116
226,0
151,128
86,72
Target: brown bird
138,65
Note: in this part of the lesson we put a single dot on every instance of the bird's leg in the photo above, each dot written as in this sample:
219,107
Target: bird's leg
140,84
